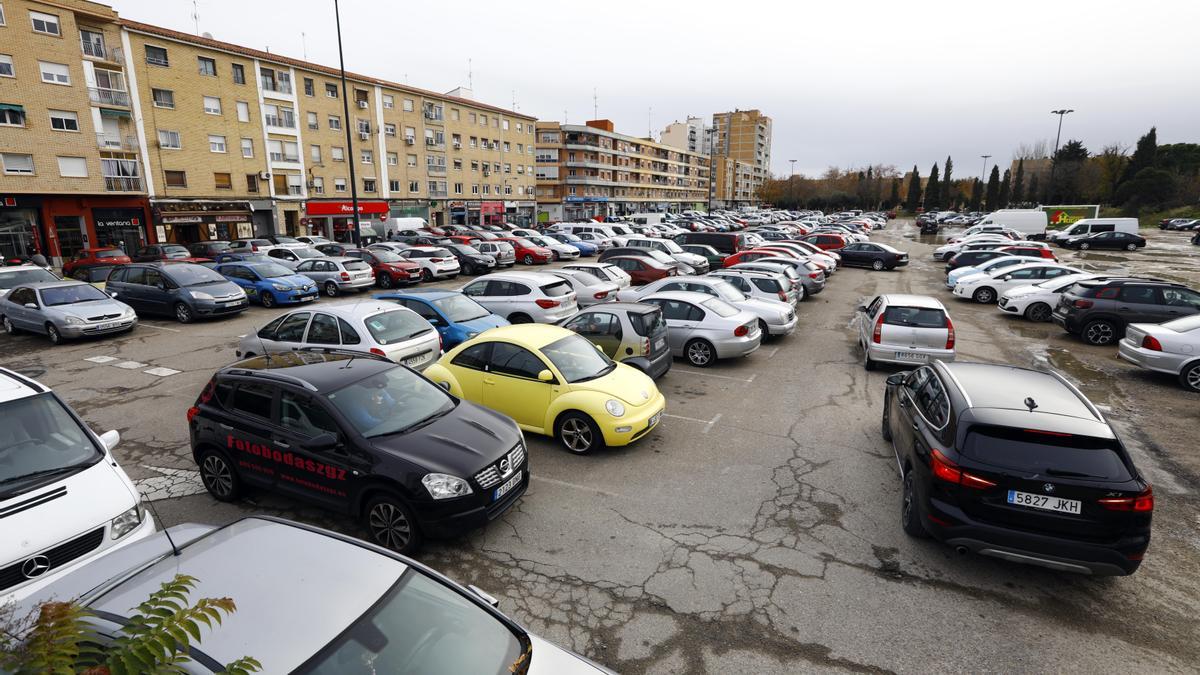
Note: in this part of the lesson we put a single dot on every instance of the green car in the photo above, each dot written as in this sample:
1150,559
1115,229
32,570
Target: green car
714,257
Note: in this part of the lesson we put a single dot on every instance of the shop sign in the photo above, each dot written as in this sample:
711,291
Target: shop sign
176,220
345,208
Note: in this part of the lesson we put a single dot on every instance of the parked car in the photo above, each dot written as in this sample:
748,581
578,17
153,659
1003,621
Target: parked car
585,248
161,252
381,328
727,243
603,270
1106,240
558,249
502,251
972,258
185,291
775,317
207,249
984,268
698,263
986,288
641,269
314,241
435,261
389,268
703,328
600,241
1172,347
471,261
804,274
1035,302
361,436
1015,464
710,254
65,500
291,257
1182,224
456,317
876,256
762,284
904,329
633,333
250,246
1086,226
589,289
287,242
94,257
1098,310
339,274
524,297
64,310
18,275
555,383
228,257
660,257
528,252
270,283
827,241
338,250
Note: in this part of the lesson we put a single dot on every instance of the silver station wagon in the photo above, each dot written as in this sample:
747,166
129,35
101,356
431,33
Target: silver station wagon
904,329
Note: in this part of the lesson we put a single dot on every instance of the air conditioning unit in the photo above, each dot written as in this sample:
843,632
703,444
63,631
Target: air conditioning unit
362,104
457,145
428,141
265,175
364,136
409,140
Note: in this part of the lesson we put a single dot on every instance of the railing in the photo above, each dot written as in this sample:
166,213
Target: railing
106,142
435,168
438,193
294,190
157,61
93,49
282,121
283,157
278,86
109,96
123,183
434,116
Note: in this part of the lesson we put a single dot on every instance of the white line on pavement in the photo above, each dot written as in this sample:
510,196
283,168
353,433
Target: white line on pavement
101,359
575,486
708,424
150,325
161,372
773,353
720,377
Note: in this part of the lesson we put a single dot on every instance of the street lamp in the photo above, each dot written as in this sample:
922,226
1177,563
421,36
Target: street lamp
793,166
346,126
983,174
1053,163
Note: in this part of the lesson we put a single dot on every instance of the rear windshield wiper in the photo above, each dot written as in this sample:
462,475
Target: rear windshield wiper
1073,474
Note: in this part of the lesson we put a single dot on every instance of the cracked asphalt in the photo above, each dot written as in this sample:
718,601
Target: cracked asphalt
757,530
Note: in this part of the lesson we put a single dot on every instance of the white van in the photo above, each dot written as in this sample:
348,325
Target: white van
646,218
1092,225
1029,222
397,224
63,499
608,231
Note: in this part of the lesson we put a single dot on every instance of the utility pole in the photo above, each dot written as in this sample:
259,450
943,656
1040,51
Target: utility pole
983,174
346,127
793,166
1053,163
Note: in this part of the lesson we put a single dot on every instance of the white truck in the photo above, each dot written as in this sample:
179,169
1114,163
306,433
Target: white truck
1029,222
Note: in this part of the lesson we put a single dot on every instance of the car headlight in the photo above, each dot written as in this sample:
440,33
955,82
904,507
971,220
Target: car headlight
200,295
74,321
614,407
126,522
444,486
128,313
281,287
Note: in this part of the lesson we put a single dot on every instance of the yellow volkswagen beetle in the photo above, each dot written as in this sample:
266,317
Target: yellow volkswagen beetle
553,382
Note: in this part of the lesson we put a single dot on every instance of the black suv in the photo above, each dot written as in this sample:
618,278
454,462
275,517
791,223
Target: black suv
1098,310
1015,464
358,435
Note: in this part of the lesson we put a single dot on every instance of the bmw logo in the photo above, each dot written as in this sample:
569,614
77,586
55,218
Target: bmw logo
1048,487
35,566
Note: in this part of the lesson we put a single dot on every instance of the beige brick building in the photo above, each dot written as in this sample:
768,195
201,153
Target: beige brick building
743,138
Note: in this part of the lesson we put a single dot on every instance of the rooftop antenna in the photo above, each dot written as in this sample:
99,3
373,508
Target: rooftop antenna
514,96
649,123
304,44
470,75
1030,403
174,548
595,105
196,16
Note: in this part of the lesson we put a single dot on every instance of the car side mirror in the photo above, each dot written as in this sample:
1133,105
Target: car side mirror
547,376
162,286
599,348
112,294
860,308
1008,277
322,443
109,439
30,305
897,378
444,385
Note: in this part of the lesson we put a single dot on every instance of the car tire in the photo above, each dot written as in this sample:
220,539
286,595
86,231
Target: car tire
910,516
877,265
578,433
390,523
1189,376
1083,246
868,362
984,295
53,334
554,256
8,326
700,353
528,259
426,275
1100,332
1038,312
219,476
331,289
1131,247
267,299
762,327
801,294
385,280
468,269
183,313
518,317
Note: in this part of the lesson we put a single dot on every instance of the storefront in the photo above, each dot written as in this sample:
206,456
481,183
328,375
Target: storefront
458,212
123,228
21,231
492,213
335,220
191,221
60,226
584,208
409,208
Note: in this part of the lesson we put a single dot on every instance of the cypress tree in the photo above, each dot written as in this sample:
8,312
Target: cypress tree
1018,186
933,195
976,193
1005,188
914,191
894,198
1034,195
993,189
947,193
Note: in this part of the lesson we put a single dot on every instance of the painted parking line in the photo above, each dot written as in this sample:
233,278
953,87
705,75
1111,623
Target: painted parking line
573,486
150,325
161,372
129,365
101,359
772,353
747,380
708,424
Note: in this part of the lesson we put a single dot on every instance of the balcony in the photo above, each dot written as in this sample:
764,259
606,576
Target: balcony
284,157
438,194
123,183
277,86
107,142
434,116
109,96
97,50
281,121
436,169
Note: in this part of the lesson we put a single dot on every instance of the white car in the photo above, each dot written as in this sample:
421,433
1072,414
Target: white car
600,270
435,261
775,317
1036,302
985,289
291,257
984,268
18,275
64,500
589,289
524,297
560,250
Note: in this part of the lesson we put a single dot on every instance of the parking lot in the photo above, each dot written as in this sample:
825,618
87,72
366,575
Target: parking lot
757,529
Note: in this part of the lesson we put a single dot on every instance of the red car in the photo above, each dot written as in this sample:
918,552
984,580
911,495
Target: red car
756,253
1030,251
390,269
826,242
464,239
641,270
528,252
814,248
89,258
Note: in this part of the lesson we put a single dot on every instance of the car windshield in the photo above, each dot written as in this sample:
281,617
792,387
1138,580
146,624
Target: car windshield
40,438
215,246
306,253
384,255
69,295
440,253
194,275
721,307
915,317
727,291
422,626
110,253
13,278
568,237
460,308
396,325
1047,454
391,402
273,270
671,246
587,279
176,252
578,359
286,240
1062,283
524,243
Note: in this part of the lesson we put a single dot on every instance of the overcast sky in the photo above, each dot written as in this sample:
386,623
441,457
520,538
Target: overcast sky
847,83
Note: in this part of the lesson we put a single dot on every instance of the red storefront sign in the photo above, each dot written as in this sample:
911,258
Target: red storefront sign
345,209
491,208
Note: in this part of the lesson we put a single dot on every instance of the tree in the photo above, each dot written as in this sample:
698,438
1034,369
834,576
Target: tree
894,199
1005,188
1144,154
1149,188
1065,166
947,176
1018,186
933,195
1034,195
913,200
1035,150
976,194
993,189
1111,163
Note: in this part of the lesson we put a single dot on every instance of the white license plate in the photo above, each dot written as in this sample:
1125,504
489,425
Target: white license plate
307,298
911,356
507,487
1044,502
106,326
659,344
654,420
414,360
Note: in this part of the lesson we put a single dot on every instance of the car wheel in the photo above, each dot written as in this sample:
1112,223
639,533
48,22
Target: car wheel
910,516
885,429
762,327
391,524
1100,332
1083,246
518,317
183,313
331,289
984,295
9,327
528,259
426,275
877,265
578,433
1038,311
555,255
801,294
219,476
385,281
52,333
267,299
1189,377
700,353
1131,247
468,269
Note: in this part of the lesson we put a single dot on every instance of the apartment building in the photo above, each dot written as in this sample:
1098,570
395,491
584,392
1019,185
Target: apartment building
743,136
70,163
692,135
588,171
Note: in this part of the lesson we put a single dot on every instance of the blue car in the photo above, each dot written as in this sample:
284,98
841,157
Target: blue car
248,257
585,247
270,283
456,317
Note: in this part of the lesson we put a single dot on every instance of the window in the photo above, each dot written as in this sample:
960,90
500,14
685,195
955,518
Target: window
454,114
243,111
156,56
247,147
475,358
368,157
509,359
54,73
368,185
394,185
318,185
483,120
216,143
300,414
458,188
413,185
2,22
412,161
169,140
335,122
388,101
45,23
931,400
331,90
505,126
163,98
212,105
17,164
408,105
207,66
64,120
337,154
487,189
471,118
474,165
239,73
393,159
339,184
175,179
314,153
251,182
223,181
458,165
308,86
72,167
389,129
313,122
475,189
6,66
12,118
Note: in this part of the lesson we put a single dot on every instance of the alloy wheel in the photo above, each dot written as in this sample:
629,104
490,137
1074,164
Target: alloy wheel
1084,246
985,295
268,300
576,435
1099,333
9,327
699,353
528,259
1038,312
182,313
385,281
1191,377
1131,247
877,265
331,289
217,476
389,526
53,334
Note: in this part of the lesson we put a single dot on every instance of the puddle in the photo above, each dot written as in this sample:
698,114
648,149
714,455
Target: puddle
1095,383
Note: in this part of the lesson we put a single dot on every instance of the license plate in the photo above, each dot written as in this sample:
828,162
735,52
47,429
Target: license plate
1044,503
508,486
307,298
911,356
659,344
414,360
654,420
106,326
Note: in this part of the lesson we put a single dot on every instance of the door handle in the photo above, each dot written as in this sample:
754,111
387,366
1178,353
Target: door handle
1123,309
488,380
915,427
282,444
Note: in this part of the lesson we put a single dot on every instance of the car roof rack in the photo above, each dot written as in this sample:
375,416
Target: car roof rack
269,375
24,380
345,352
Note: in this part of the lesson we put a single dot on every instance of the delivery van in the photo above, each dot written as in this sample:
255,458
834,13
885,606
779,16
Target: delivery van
1093,225
1029,222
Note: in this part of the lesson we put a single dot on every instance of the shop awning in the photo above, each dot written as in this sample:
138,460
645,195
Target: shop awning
13,107
109,112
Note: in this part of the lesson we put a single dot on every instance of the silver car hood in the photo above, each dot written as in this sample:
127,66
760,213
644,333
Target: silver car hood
85,310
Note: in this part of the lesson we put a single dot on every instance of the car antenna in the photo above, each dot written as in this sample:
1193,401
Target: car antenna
263,346
165,530
1030,403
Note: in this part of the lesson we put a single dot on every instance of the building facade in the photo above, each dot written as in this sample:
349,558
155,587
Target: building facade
692,135
743,136
590,171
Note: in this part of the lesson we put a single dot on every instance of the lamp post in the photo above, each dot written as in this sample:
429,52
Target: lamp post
346,126
983,174
793,166
1057,137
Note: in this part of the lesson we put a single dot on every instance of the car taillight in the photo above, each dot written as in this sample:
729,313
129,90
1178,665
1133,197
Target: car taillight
191,413
436,260
741,331
814,275
645,346
949,333
1150,342
254,247
601,295
1082,304
377,351
877,335
783,296
1047,253
948,471
546,303
345,276
1142,503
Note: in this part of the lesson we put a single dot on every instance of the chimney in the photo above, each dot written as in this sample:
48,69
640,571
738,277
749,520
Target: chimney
606,125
